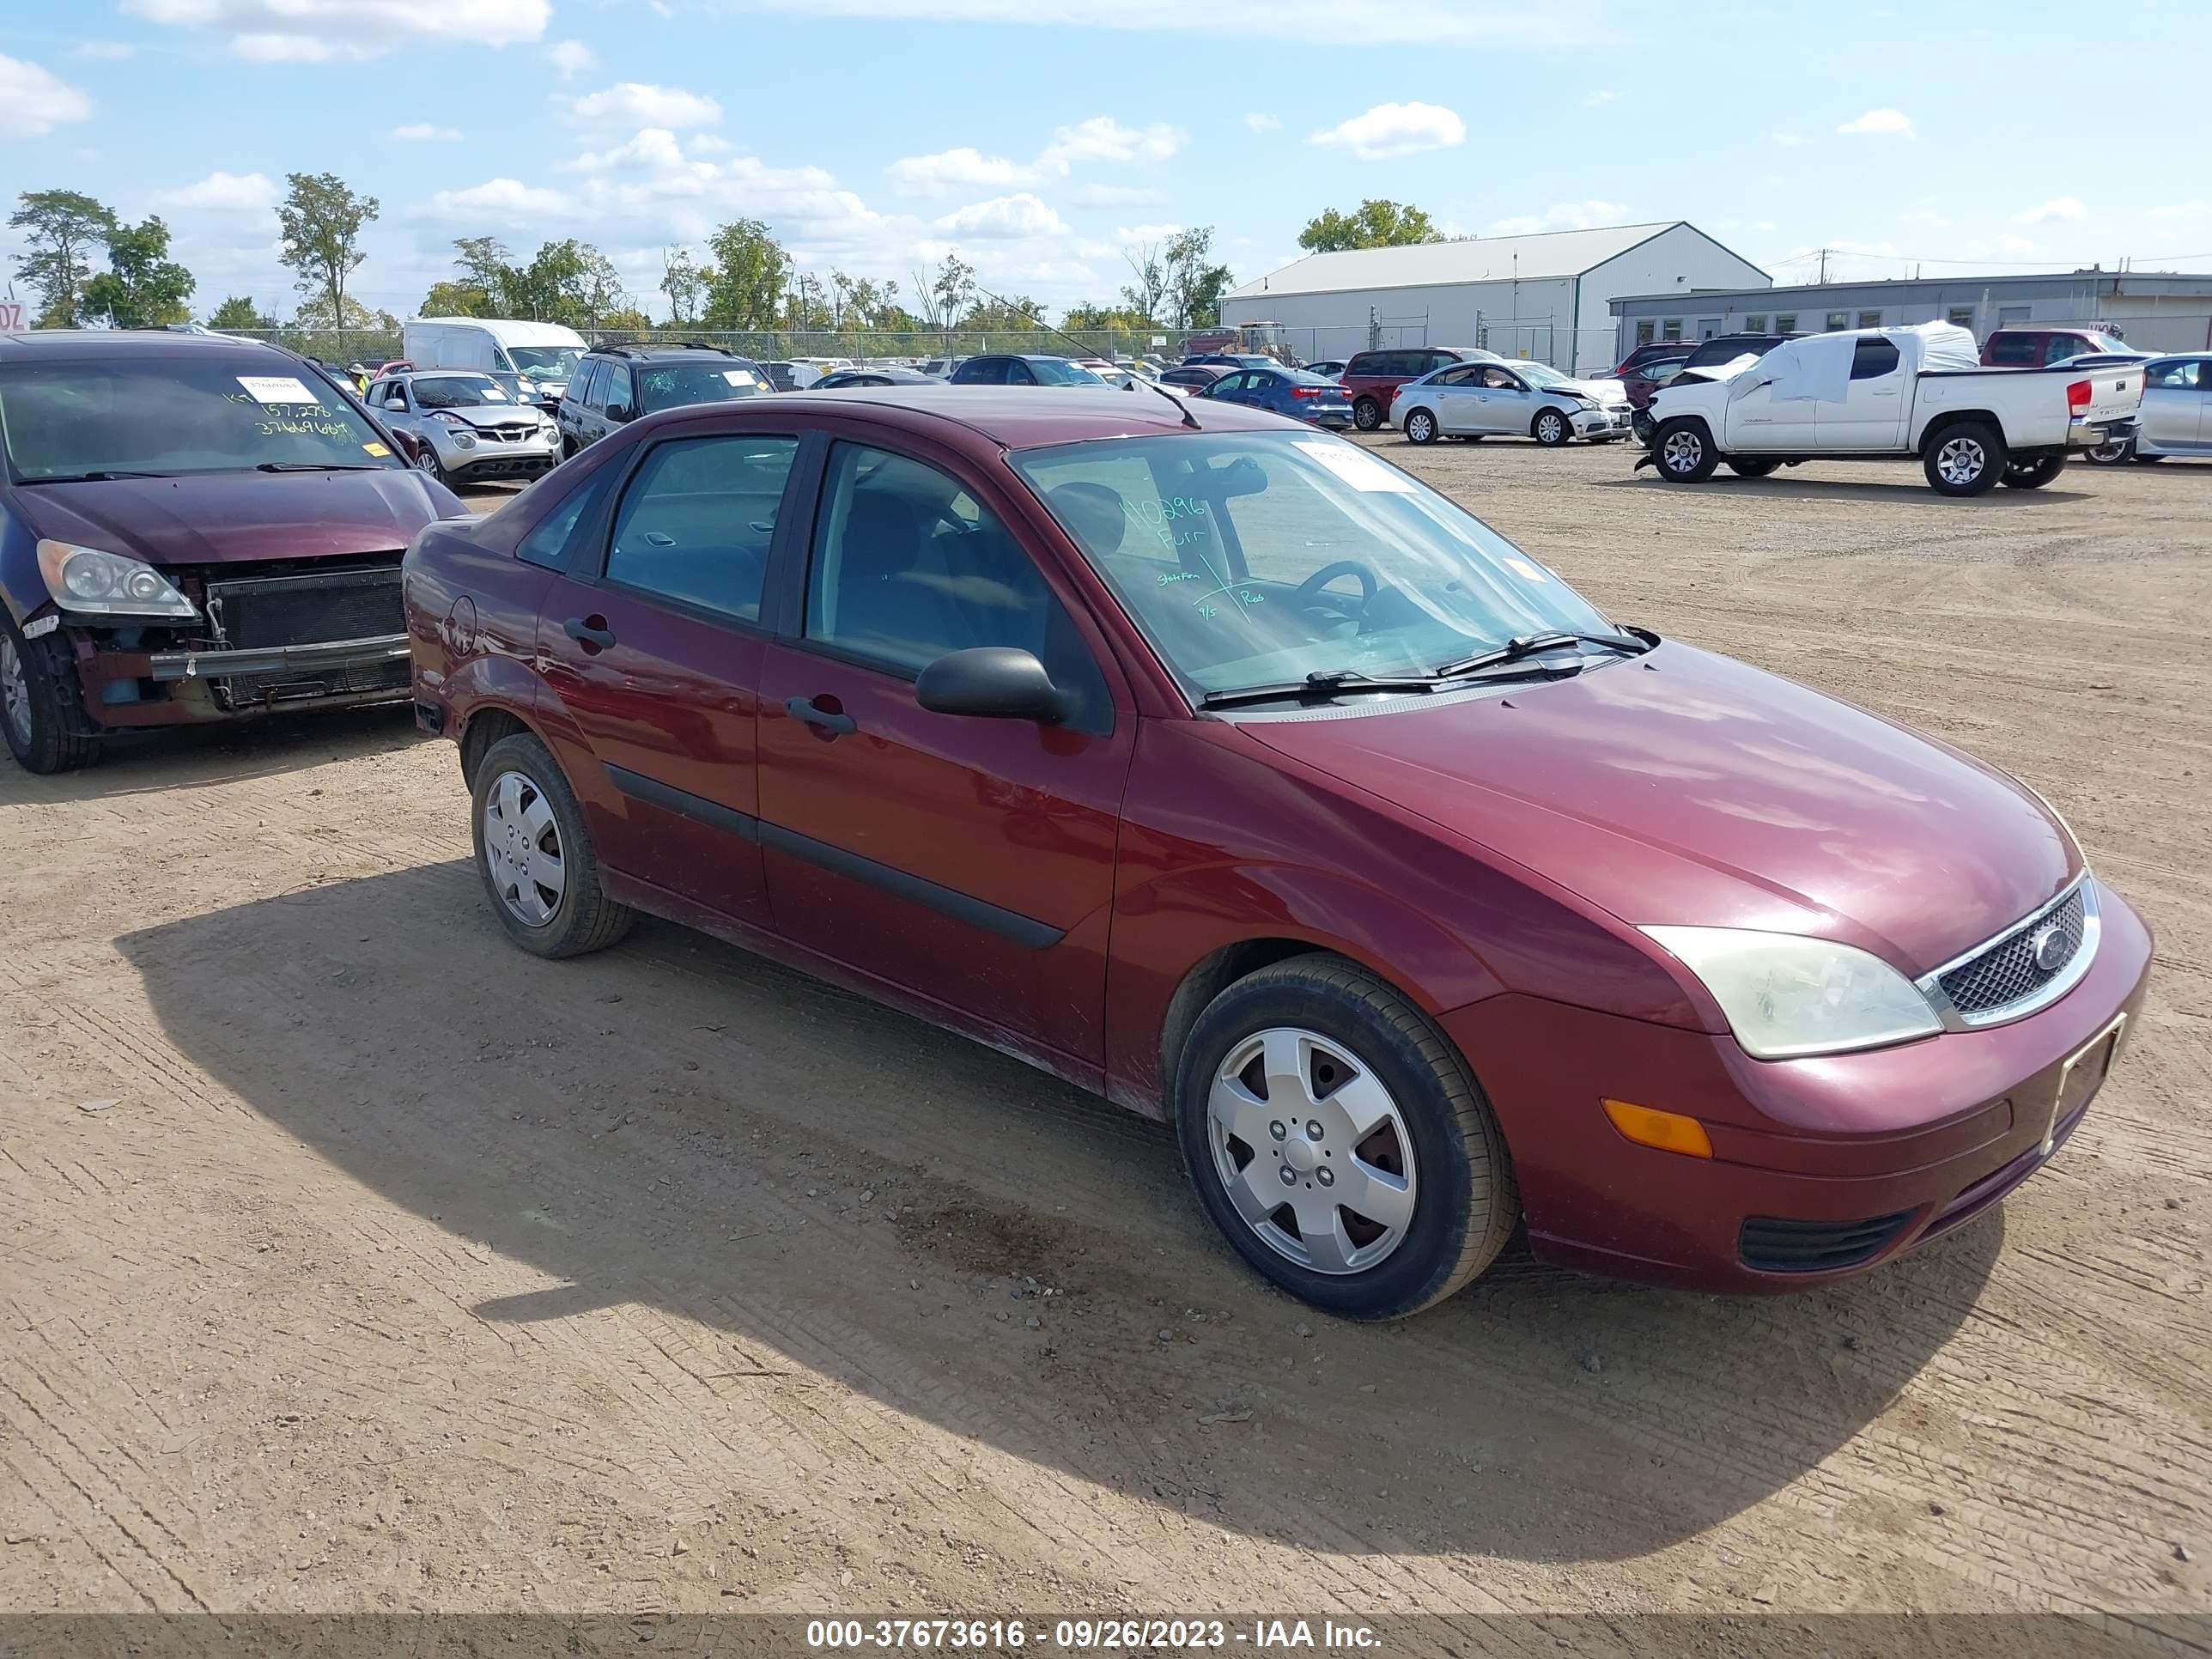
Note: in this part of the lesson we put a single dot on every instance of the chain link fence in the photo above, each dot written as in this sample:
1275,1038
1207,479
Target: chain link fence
371,346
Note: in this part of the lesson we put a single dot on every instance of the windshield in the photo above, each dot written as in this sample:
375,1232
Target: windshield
1253,557
166,415
1537,374
459,391
546,363
1054,371
666,385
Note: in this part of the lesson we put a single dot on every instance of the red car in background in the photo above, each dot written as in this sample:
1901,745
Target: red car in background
1650,366
2038,348
1372,378
1211,763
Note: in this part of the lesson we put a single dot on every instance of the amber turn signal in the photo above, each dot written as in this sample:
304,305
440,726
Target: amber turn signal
1670,1132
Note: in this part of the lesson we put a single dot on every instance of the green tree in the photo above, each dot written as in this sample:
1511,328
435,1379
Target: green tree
1194,284
945,293
1016,310
59,226
1372,224
486,265
1150,286
322,218
238,312
1096,318
456,299
806,306
682,281
628,319
745,289
142,286
350,313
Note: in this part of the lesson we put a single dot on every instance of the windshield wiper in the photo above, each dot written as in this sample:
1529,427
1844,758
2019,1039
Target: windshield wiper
95,478
1321,682
312,466
1528,644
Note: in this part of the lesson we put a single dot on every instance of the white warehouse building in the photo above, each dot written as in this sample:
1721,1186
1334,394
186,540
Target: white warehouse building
1548,296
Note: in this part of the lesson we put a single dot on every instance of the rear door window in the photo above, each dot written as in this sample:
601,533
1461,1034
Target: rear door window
1871,359
585,389
2015,350
695,521
1365,363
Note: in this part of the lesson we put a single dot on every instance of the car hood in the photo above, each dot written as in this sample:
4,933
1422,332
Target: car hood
1599,391
496,414
228,518
1688,788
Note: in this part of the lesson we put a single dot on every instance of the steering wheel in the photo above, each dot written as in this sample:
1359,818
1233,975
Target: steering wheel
1309,596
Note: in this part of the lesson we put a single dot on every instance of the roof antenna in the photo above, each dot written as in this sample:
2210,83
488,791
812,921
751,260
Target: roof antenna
1181,405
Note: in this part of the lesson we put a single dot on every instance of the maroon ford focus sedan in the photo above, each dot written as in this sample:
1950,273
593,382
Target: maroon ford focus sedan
1216,765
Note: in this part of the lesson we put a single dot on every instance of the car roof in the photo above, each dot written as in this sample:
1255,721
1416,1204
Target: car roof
36,344
1004,417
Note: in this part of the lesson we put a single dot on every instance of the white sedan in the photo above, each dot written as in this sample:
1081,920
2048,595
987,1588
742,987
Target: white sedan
1514,399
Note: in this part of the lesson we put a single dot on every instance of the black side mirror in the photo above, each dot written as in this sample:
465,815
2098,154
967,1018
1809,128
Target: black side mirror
995,682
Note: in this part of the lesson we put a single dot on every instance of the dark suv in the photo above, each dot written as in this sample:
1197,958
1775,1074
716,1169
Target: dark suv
1371,377
615,384
1023,369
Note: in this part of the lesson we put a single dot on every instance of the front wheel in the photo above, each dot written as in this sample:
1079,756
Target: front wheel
1550,428
1744,469
2033,474
1339,1143
45,734
1684,451
1367,414
426,458
1420,427
1965,460
537,860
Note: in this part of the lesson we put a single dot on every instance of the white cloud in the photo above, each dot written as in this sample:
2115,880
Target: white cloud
707,144
2058,207
636,104
1881,123
106,51
1260,122
571,57
1563,216
499,200
34,101
1393,130
1101,138
1598,98
1002,218
1118,196
1347,22
424,132
1789,140
313,31
653,149
224,192
1139,235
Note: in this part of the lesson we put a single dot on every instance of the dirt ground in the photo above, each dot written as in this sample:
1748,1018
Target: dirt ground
352,1261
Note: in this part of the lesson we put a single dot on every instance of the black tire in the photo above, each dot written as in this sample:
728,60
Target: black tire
2146,460
584,919
1420,427
1967,458
1465,1202
1682,450
425,460
2034,473
1470,437
1366,414
568,448
1751,468
2117,454
1552,429
41,709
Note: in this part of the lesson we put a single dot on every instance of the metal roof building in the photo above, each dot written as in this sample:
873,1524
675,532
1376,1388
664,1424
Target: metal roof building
2156,310
1545,296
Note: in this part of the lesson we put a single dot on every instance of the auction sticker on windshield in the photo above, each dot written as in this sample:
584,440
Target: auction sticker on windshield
1359,469
276,389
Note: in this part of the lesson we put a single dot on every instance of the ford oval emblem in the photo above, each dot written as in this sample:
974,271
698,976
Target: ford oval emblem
2046,948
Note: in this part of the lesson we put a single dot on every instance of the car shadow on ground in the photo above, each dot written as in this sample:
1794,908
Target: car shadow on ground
220,752
1846,489
678,1127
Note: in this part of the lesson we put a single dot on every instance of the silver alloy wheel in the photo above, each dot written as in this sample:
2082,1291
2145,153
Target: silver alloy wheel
522,849
2112,453
14,693
1961,459
1548,429
1420,427
1312,1150
1681,451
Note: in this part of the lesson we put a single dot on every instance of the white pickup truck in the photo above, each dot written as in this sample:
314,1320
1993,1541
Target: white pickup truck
1881,394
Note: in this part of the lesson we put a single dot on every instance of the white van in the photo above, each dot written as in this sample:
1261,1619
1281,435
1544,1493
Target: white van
543,355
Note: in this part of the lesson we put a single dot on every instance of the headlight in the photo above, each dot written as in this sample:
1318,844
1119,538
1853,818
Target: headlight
1581,402
93,583
1786,996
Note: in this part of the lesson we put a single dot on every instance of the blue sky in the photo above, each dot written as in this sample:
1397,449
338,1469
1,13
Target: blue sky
1042,138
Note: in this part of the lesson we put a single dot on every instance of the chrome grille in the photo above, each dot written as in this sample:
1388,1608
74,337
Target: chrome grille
2007,972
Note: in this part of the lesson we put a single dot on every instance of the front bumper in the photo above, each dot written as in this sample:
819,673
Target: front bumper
482,457
217,685
2084,432
1919,1137
1604,423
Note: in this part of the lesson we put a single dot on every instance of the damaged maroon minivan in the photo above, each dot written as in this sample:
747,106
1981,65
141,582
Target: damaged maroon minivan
191,528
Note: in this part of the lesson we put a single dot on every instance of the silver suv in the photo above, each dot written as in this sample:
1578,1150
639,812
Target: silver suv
469,428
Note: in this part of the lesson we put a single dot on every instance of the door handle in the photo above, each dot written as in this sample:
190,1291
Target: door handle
828,723
590,632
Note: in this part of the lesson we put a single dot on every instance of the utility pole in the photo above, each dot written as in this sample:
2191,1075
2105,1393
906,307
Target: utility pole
1824,252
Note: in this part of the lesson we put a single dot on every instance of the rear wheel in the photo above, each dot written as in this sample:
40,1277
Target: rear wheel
1684,451
45,726
2034,473
1751,468
1550,428
1968,459
2112,454
536,857
1420,427
1367,414
1339,1143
